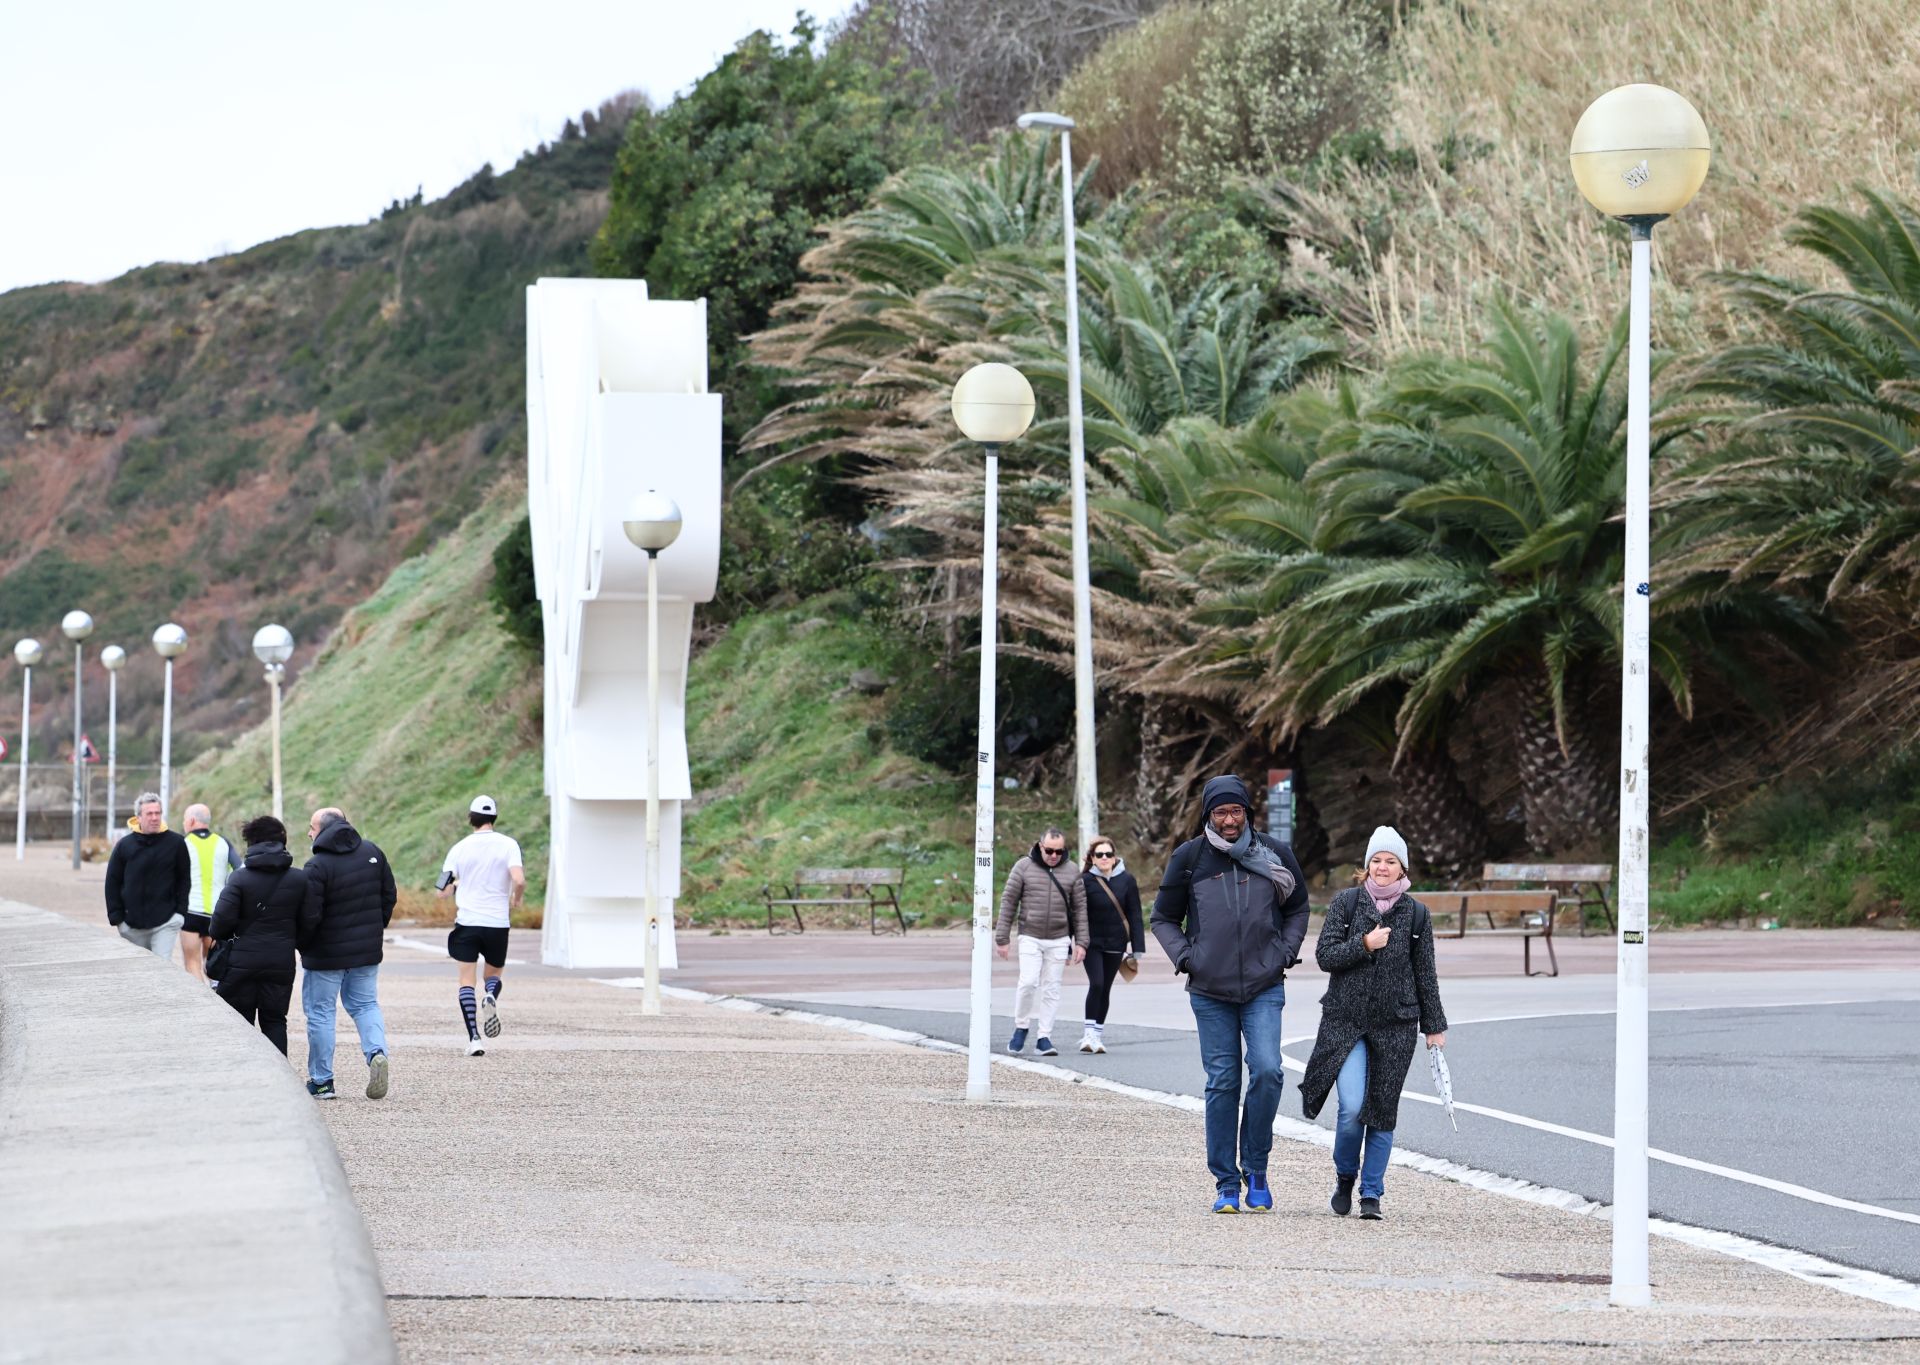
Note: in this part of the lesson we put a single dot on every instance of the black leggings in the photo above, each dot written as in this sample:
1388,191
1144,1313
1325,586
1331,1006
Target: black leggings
1102,968
264,996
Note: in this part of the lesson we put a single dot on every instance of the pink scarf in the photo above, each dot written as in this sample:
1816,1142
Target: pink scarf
1385,896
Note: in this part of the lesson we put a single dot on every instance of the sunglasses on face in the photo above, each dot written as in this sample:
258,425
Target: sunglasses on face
1046,852
1103,853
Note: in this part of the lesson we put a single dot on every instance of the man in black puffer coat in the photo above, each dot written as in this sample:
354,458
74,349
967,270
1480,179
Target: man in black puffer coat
264,909
351,893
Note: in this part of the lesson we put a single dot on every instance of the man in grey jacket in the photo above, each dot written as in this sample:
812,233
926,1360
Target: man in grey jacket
1046,900
1231,914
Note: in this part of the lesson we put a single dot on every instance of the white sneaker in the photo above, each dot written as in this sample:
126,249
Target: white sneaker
489,1015
1087,1043
476,1048
1099,1043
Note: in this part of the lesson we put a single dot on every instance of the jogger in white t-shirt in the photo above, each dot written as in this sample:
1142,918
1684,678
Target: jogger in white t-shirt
484,873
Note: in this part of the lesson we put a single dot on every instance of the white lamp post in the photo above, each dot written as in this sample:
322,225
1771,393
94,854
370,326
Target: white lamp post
652,523
1639,153
992,404
112,658
27,653
273,646
170,641
76,626
1086,787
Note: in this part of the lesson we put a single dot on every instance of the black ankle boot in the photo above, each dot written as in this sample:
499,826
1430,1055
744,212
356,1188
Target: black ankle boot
1342,1201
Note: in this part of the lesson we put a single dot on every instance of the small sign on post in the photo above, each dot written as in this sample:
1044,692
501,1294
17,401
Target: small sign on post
1280,804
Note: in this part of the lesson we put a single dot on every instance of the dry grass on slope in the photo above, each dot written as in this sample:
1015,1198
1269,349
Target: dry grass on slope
1804,98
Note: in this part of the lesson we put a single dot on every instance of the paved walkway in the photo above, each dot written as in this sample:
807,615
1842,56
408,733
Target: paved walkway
718,1182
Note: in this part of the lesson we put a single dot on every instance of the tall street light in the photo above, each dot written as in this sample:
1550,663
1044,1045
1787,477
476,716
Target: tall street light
273,646
1086,786
170,642
1639,153
77,626
27,653
112,658
992,404
652,523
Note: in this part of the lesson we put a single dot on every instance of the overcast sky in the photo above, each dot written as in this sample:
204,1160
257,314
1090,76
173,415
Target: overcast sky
133,131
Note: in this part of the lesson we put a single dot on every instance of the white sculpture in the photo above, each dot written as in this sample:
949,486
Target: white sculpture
617,404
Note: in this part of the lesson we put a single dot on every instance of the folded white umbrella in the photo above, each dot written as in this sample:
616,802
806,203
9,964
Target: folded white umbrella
1442,1082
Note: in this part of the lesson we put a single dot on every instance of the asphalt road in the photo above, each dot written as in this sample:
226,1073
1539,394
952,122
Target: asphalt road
1825,1097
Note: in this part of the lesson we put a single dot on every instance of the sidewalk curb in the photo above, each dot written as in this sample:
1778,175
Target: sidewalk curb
1866,1284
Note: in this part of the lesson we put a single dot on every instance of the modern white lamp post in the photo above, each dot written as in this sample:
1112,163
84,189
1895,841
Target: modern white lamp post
112,658
1639,153
652,523
1086,787
77,626
170,641
992,404
26,653
273,646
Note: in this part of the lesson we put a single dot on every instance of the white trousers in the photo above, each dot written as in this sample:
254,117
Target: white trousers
1043,961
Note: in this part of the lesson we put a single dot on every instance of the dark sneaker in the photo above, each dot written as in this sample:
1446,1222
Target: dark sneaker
1045,1048
377,1077
1259,1197
1369,1208
1017,1043
1227,1201
489,1015
1342,1201
320,1090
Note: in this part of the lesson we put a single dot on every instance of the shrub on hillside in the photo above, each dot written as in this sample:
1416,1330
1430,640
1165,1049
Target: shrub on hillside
512,591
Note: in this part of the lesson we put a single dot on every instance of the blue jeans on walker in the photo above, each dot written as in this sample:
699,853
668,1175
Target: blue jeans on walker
1222,1026
1352,1089
358,989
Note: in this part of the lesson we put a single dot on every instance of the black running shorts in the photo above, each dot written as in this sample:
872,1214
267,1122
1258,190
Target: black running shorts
469,942
198,924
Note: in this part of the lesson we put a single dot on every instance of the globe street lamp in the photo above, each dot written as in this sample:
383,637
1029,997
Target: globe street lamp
26,653
76,626
112,658
992,404
1086,794
1639,153
652,523
273,646
170,641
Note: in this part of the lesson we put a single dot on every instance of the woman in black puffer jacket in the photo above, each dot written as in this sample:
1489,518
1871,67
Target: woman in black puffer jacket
1376,948
1117,933
263,909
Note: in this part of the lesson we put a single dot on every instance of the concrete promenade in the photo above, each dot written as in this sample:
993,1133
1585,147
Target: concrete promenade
717,1182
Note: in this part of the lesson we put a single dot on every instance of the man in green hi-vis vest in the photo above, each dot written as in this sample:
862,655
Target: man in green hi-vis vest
212,859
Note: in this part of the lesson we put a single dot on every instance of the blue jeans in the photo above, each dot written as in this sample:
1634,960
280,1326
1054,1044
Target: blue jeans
1348,1131
1222,1026
358,989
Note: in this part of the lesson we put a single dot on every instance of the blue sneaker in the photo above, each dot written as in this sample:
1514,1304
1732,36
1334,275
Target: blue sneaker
1227,1201
1017,1043
1259,1197
1045,1048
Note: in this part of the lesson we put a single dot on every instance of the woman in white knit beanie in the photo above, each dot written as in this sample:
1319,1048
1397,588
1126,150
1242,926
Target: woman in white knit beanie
1376,948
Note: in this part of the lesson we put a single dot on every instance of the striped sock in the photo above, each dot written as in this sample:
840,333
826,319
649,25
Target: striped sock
493,987
469,1009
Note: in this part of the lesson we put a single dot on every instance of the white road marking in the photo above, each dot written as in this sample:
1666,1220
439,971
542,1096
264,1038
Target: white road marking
437,949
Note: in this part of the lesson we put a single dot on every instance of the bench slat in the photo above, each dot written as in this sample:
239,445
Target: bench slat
1547,872
847,876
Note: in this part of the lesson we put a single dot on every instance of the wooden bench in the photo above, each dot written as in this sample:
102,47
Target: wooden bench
1531,912
877,888
1579,886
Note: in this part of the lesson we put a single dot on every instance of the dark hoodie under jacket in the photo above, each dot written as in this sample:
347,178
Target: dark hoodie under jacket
148,876
350,885
1229,931
263,908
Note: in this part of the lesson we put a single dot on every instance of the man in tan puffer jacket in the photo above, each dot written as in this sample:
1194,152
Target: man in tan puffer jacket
1046,901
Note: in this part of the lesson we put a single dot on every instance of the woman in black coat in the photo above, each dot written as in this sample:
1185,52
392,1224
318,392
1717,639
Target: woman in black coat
1117,933
263,910
1376,948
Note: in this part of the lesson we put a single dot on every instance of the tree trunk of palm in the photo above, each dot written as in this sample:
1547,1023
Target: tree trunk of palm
1569,795
1157,799
1445,829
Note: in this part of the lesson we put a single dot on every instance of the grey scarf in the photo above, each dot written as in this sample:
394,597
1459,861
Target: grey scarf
1255,857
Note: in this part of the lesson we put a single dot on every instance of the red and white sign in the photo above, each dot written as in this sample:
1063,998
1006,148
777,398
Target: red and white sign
88,754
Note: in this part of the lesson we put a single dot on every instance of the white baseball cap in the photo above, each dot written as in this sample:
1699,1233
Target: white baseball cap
483,805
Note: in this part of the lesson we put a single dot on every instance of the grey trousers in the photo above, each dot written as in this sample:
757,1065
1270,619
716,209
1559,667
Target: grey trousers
157,941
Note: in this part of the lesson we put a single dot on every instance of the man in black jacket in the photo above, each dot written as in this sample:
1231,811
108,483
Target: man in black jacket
147,880
351,892
1231,914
